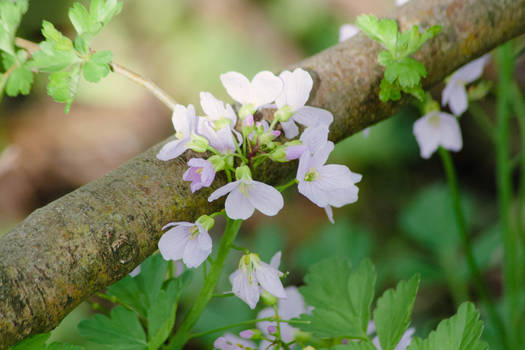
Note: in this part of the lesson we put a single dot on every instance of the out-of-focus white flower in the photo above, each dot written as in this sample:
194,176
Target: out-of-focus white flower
245,195
184,121
187,241
231,342
254,274
401,2
291,307
291,103
135,271
455,94
437,129
346,31
405,341
263,89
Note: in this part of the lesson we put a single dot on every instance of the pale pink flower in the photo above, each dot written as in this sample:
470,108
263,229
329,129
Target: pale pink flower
187,241
184,121
346,31
437,129
263,89
455,94
201,174
231,342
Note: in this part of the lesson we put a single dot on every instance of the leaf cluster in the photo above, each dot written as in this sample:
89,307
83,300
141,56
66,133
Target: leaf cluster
146,314
402,72
342,297
64,58
38,342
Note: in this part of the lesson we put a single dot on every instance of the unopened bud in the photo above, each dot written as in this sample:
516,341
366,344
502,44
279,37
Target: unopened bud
246,110
217,162
198,143
252,334
284,113
206,222
243,172
271,329
268,299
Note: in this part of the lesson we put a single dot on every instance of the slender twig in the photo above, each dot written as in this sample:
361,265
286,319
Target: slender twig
149,85
474,270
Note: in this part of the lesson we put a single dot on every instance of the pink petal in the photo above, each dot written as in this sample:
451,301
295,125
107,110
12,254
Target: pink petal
173,243
172,149
265,88
238,206
265,198
223,190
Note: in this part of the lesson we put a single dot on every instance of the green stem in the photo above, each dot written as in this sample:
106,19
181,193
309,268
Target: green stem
285,186
483,120
467,245
504,186
518,102
183,333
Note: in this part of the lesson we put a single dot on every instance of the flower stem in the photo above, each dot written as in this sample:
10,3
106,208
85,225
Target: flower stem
183,333
475,273
285,186
518,102
504,185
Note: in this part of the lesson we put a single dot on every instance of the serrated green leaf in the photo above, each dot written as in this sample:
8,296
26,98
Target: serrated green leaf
82,21
19,81
460,332
97,67
8,60
63,86
11,13
407,71
341,299
416,91
55,38
50,60
62,346
392,314
389,91
122,330
383,31
81,44
36,342
104,10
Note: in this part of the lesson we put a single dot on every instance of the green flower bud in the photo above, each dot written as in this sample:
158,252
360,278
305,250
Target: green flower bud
246,110
268,298
243,172
221,123
431,106
206,221
284,113
217,162
279,154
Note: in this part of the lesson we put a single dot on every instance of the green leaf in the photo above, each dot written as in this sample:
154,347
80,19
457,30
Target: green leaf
97,67
55,38
392,314
82,21
389,91
63,86
341,299
407,71
460,332
19,81
11,13
122,330
383,31
49,59
38,342
104,10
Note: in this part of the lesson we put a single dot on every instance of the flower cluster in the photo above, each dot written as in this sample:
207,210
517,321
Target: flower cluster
272,123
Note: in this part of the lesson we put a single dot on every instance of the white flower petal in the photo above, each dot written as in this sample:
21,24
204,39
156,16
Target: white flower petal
334,176
293,305
238,206
406,339
276,260
135,271
343,196
458,101
321,156
366,132
290,129
265,313
268,278
315,137
401,2
315,194
173,243
237,86
347,31
329,213
204,240
471,71
194,254
427,136
296,88
313,116
221,191
172,149
265,198
243,289
450,133
265,88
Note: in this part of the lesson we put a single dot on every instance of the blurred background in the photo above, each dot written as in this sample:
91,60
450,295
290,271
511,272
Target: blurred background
403,220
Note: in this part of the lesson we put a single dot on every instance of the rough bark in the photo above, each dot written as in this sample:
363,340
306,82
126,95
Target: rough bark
63,253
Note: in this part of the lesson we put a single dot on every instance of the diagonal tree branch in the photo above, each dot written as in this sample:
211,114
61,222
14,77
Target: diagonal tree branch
63,253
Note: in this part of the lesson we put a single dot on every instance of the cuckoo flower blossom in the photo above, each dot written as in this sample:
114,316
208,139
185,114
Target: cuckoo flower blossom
201,174
455,94
184,121
291,307
403,344
254,274
262,90
232,342
245,195
291,103
437,129
187,241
